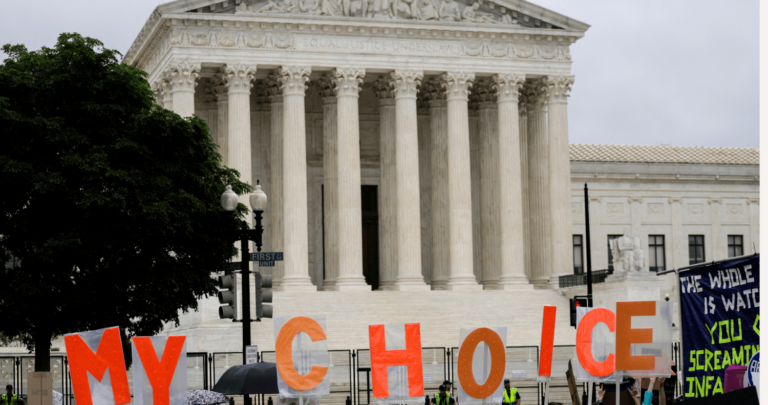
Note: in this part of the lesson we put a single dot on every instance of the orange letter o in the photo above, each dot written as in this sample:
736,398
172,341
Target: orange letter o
498,362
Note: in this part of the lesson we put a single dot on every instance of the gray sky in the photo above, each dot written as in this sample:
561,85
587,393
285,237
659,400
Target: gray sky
648,72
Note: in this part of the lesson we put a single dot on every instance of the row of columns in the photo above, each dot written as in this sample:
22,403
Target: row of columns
522,128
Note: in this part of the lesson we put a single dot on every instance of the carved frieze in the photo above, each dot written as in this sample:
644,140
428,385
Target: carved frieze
419,10
286,41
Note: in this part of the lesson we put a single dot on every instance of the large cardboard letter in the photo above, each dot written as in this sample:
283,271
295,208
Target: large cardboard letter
381,358
547,340
284,352
626,336
108,356
493,353
584,342
167,376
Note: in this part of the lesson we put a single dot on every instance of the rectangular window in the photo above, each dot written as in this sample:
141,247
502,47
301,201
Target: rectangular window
695,249
578,255
656,252
610,253
735,245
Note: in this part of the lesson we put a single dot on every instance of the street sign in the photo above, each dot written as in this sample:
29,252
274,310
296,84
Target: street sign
251,354
266,256
270,263
235,265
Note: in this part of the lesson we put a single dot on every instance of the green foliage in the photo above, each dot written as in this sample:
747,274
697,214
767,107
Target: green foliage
110,202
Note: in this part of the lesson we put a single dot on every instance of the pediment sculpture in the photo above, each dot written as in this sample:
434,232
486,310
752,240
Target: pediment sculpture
627,251
423,10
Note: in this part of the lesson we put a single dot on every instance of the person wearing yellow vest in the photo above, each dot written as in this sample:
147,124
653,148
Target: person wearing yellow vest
443,397
511,396
9,398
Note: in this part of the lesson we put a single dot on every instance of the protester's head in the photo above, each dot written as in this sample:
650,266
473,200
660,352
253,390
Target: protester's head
506,383
448,385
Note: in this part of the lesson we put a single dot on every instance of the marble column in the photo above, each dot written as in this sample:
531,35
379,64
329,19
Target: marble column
409,276
489,181
461,277
157,88
387,189
222,117
294,146
559,177
473,117
679,242
538,183
507,176
349,237
425,190
330,182
167,90
523,121
276,207
438,126
237,80
754,225
182,77
719,241
213,111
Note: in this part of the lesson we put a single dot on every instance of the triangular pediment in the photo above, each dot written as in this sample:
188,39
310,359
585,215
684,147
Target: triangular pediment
509,13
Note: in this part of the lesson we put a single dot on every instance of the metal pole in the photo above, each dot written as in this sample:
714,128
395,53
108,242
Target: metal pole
246,275
589,245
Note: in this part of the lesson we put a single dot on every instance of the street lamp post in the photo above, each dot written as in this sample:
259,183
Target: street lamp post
258,201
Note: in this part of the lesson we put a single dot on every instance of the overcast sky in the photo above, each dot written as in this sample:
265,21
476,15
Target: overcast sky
647,72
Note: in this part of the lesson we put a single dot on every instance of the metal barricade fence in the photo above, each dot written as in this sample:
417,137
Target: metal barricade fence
197,371
558,386
350,372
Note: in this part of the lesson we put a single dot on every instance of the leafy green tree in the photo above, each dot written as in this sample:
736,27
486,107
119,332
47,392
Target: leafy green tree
110,204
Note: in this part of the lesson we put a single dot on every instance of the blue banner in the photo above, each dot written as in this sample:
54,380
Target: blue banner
720,311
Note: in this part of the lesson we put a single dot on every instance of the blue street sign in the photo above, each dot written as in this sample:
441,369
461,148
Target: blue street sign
267,257
234,265
268,263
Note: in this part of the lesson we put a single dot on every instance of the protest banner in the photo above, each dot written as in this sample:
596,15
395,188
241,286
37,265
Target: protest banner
720,312
396,367
481,365
159,370
99,354
301,352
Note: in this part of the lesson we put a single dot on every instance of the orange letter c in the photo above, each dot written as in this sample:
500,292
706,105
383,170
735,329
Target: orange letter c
584,341
284,353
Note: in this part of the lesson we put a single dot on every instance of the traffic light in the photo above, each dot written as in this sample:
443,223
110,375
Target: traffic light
578,301
227,296
263,281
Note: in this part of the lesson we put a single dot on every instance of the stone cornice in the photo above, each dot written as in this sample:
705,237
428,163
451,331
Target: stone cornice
156,28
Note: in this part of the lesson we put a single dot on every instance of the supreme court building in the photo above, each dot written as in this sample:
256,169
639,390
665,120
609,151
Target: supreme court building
416,159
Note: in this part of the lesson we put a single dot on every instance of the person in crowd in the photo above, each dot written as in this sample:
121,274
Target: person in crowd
443,397
511,396
9,398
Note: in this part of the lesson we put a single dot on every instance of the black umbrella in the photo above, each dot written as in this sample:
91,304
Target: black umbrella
256,378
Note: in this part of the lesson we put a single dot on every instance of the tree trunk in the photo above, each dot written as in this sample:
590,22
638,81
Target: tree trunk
43,349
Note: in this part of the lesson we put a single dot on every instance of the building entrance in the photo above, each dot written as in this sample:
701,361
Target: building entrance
370,209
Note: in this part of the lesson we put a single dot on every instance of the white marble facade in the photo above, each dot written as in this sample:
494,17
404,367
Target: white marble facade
296,92
456,111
